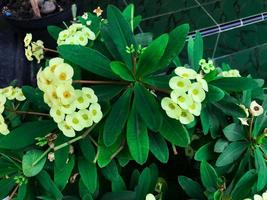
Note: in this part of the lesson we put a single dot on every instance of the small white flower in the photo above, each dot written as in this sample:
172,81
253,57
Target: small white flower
186,117
178,83
256,109
66,129
150,197
185,72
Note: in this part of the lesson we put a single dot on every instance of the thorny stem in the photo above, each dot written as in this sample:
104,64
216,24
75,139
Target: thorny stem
28,113
14,192
101,82
118,151
174,150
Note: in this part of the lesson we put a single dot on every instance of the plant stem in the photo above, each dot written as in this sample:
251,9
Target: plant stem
12,161
118,151
56,148
13,193
42,156
93,141
96,156
28,113
250,127
174,150
134,63
157,89
101,82
50,50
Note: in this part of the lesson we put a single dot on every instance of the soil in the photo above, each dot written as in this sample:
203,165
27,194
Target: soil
22,9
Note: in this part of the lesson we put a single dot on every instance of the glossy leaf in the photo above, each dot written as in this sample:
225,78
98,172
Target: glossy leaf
143,186
158,147
195,51
208,176
234,132
122,70
214,94
205,152
192,188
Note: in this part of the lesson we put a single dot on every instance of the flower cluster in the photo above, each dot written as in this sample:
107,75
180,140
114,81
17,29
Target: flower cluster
72,109
259,197
10,93
207,67
230,73
33,49
76,34
254,109
186,95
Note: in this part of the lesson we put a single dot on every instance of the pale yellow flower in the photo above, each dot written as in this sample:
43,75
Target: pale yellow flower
65,93
150,197
186,117
90,94
2,99
185,73
54,62
68,109
96,112
53,96
28,53
81,102
182,99
81,38
63,35
63,72
88,33
86,117
197,93
195,108
3,126
171,108
178,83
57,114
66,129
202,82
7,91
75,121
19,94
256,109
27,39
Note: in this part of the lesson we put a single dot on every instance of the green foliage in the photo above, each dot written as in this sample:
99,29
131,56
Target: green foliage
31,166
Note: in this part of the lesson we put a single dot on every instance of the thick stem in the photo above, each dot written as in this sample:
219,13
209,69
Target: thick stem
13,193
101,82
28,113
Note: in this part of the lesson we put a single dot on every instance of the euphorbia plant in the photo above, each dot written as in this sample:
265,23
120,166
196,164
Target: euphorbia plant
110,96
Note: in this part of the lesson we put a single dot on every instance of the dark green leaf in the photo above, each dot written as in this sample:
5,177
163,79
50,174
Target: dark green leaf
192,188
87,58
220,145
144,39
34,96
123,195
214,94
120,112
235,84
161,82
87,149
54,31
158,147
6,187
29,166
205,152
195,51
208,176
107,92
234,132
231,153
137,137
142,189
261,169
25,134
173,131
148,107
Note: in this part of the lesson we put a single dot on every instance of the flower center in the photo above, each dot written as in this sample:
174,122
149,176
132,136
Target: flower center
63,76
195,92
180,84
171,106
66,94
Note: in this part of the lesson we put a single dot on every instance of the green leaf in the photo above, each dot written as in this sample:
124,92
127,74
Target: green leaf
195,51
62,175
149,60
243,187
87,149
208,176
54,31
122,70
123,195
144,39
161,82
214,94
191,188
107,92
173,131
120,32
124,157
235,84
159,147
120,111
6,187
220,145
147,104
143,186
205,120
234,132
87,58
48,185
25,134
137,137
128,14
231,153
177,38
88,174
84,192
205,152
35,96
29,159
105,153
261,169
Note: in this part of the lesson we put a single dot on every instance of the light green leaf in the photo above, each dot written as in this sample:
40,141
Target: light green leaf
234,132
195,51
29,159
122,70
149,60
